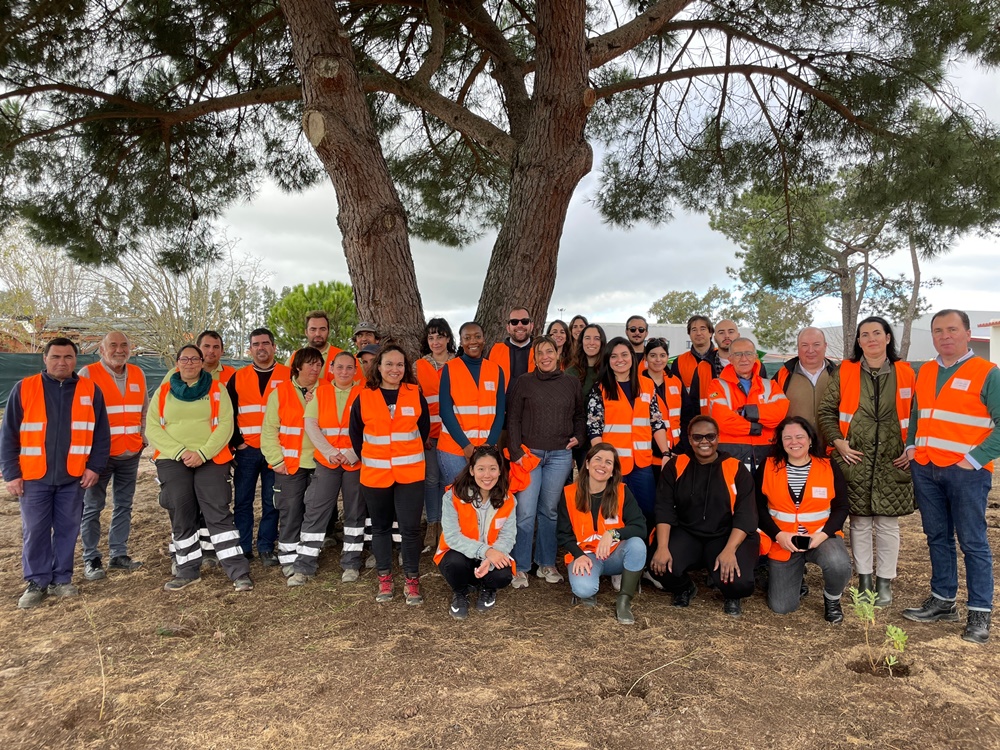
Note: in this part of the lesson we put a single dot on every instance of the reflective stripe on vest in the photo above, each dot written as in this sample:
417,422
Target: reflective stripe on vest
475,405
291,424
124,409
850,394
813,510
32,459
335,426
587,536
627,426
251,402
392,451
429,379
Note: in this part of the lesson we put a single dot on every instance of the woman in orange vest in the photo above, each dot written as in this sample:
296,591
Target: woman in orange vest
668,389
603,531
390,424
477,533
437,348
622,410
190,423
289,452
338,472
865,415
802,505
559,333
706,517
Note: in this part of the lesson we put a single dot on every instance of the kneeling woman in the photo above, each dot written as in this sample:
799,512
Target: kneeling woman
802,502
706,517
190,424
477,532
603,530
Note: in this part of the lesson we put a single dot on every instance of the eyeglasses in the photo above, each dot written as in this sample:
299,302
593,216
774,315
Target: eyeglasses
636,329
522,321
742,355
710,438
188,360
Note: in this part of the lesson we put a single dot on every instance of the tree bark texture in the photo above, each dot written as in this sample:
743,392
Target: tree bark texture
548,164
338,123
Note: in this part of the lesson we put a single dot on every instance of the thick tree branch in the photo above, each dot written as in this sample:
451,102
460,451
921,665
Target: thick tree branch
607,47
435,54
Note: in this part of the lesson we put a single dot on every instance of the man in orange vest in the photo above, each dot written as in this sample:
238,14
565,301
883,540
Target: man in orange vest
696,368
317,337
746,406
123,387
953,439
514,355
54,444
249,389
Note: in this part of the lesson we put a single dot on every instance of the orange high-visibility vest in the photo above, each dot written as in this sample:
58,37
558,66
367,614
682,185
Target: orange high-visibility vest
627,426
214,398
34,424
727,398
124,410
335,427
430,386
500,356
730,468
587,535
392,450
250,414
850,394
953,422
291,424
671,408
468,524
812,512
475,405
687,365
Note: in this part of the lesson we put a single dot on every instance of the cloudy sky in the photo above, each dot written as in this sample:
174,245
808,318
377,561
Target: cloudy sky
297,236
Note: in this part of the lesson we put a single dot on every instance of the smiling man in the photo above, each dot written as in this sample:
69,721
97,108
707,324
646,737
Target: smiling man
514,355
805,378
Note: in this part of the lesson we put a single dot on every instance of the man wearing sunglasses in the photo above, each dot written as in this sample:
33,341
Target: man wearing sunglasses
514,355
635,330
746,406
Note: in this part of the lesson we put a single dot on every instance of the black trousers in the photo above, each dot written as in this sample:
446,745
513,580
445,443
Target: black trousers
690,552
460,573
403,503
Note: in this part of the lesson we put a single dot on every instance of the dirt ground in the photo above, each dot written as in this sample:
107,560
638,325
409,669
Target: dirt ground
127,665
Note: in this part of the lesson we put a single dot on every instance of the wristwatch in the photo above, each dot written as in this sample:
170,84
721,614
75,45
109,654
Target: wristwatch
615,535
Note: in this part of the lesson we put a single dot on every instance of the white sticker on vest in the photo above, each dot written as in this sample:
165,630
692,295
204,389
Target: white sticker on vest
500,522
645,398
819,492
85,401
275,383
960,384
490,385
675,390
905,393
407,411
134,387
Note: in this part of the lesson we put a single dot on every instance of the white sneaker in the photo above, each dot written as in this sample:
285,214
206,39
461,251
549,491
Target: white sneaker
616,583
520,581
549,574
349,576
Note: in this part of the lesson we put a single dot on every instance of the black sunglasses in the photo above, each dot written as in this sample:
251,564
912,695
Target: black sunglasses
522,321
710,438
634,329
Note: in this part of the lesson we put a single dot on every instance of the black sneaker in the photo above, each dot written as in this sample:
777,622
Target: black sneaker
977,629
732,607
32,596
176,584
933,610
683,598
459,608
268,559
122,562
487,599
92,569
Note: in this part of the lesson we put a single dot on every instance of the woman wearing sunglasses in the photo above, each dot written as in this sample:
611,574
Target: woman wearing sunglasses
706,518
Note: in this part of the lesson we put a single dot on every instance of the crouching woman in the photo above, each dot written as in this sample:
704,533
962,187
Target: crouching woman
603,530
478,531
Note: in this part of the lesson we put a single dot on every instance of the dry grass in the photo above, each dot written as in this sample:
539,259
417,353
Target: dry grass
323,666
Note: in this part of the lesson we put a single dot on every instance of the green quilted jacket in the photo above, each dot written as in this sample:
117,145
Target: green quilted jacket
875,486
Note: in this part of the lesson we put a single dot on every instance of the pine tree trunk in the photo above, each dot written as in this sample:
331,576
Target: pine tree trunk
548,165
338,123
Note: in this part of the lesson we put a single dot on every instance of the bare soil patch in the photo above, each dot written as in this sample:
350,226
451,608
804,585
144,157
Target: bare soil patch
129,666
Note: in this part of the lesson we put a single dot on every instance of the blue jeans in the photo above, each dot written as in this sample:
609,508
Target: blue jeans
123,472
630,554
251,464
50,524
450,466
540,499
643,486
953,501
434,484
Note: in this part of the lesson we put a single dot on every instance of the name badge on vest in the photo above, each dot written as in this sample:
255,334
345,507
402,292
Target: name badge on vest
490,385
500,522
961,384
407,411
819,492
905,393
645,397
674,390
85,401
134,387
274,383
609,521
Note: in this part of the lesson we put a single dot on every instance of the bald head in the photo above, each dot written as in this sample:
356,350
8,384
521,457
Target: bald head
811,344
726,332
115,350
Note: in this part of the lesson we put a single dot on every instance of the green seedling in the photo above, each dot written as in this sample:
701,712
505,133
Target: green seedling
886,653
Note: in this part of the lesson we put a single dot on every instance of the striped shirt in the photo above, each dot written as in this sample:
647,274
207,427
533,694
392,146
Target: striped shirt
797,476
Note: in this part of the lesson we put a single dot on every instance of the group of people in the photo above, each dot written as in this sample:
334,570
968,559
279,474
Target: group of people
697,463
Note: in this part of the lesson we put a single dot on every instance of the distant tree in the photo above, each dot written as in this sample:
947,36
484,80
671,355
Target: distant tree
287,315
775,318
679,305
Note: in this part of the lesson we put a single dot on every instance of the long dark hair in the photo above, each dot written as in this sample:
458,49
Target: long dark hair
580,357
891,353
303,357
606,376
465,487
566,355
778,452
570,326
439,326
609,500
374,380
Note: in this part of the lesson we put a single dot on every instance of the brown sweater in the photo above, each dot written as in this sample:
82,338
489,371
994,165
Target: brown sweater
544,411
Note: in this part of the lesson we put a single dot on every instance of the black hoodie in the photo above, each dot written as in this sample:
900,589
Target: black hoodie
699,502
